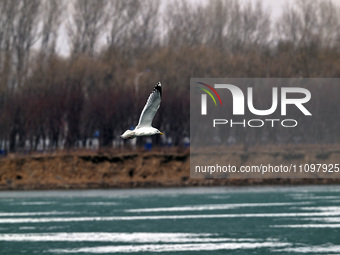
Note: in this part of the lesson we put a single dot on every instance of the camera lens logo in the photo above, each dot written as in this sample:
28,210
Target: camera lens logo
204,97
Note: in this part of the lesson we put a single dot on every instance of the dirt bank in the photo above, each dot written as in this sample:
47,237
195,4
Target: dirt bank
122,170
94,171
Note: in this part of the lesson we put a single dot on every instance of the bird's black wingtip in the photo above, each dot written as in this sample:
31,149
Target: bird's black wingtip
158,87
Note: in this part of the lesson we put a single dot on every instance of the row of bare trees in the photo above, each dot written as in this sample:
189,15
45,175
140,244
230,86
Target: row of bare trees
70,69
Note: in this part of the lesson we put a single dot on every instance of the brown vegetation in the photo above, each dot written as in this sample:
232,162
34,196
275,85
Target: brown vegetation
165,168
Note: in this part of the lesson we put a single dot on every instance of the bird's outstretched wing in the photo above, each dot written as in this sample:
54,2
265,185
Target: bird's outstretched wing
151,107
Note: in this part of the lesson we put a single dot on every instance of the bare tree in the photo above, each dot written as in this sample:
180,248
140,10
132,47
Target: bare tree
51,18
21,36
146,27
133,26
185,23
122,14
255,24
8,15
328,24
25,35
308,25
217,13
86,25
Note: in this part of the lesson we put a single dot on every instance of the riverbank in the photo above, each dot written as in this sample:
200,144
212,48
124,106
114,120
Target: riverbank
89,170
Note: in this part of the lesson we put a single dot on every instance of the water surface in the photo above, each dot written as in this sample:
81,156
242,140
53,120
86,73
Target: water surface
261,220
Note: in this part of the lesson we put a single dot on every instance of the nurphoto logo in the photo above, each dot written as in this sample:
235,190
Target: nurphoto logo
264,127
282,96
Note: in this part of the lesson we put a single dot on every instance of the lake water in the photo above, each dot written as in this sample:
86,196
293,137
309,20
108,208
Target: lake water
261,220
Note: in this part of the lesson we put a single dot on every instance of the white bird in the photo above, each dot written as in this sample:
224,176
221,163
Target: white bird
144,127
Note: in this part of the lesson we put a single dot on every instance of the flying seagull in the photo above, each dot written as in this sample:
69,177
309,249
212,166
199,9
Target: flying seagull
144,127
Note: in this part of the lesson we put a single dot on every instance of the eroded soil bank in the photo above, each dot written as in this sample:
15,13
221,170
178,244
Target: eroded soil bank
129,170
